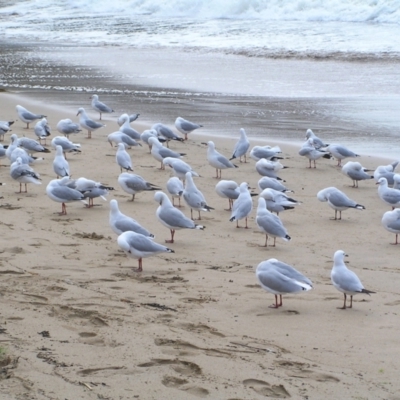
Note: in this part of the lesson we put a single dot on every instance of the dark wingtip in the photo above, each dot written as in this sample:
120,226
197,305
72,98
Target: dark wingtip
236,166
232,158
288,237
232,219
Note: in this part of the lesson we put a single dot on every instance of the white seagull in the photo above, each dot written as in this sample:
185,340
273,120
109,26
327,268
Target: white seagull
138,246
166,132
279,278
185,127
175,189
127,129
100,107
121,137
344,280
87,123
42,130
242,206
318,143
356,172
23,174
388,195
340,152
27,116
171,217
179,167
159,152
60,164
67,127
267,152
57,190
193,196
241,147
270,224
120,222
269,168
391,222
132,117
217,160
133,184
337,200
309,151
123,158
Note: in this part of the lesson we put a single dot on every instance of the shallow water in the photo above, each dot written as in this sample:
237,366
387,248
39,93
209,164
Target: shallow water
354,103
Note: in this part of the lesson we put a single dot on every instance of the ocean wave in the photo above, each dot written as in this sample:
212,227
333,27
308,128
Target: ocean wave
378,11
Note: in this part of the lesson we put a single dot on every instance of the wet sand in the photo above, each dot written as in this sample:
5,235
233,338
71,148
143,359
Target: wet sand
77,322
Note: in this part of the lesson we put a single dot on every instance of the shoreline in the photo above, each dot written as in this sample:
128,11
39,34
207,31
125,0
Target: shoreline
212,334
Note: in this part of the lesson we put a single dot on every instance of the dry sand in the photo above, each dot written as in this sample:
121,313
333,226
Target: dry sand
76,322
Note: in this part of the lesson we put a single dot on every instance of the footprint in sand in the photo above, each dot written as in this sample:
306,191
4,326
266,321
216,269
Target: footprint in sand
180,348
181,367
302,370
199,328
183,384
265,389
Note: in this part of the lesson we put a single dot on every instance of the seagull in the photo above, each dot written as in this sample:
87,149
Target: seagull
100,107
132,117
396,181
25,157
340,152
166,132
309,151
120,137
269,168
60,164
344,280
241,147
185,127
87,123
193,197
386,171
159,152
279,278
138,246
277,201
120,222
267,152
67,127
90,189
171,217
388,195
266,182
356,172
58,191
242,206
229,190
23,173
42,130
391,222
147,134
127,129
270,224
4,128
132,184
27,116
217,160
175,189
123,158
14,143
2,152
32,146
179,167
318,143
66,144
338,201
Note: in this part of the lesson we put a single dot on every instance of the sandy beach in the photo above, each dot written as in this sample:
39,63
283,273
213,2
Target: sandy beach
76,322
